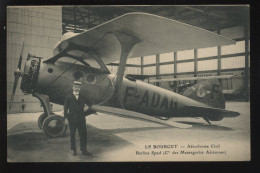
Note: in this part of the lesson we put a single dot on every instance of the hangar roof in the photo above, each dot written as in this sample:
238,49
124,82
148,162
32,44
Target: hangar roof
213,18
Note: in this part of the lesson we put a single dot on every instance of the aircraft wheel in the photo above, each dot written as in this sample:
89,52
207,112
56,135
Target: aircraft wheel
54,126
41,119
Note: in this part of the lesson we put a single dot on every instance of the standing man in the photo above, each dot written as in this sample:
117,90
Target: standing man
74,113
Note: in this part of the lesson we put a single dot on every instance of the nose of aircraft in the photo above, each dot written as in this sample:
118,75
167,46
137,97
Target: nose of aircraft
29,76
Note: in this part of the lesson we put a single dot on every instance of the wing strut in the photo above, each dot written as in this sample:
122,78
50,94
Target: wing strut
127,43
99,61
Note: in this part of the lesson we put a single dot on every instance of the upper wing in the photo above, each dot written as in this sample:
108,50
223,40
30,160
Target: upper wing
157,35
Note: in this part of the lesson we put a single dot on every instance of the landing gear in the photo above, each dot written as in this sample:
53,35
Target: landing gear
207,120
52,125
41,118
213,117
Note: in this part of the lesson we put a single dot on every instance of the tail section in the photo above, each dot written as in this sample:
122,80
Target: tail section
208,92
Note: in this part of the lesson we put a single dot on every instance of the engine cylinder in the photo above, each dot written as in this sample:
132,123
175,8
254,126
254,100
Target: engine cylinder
30,76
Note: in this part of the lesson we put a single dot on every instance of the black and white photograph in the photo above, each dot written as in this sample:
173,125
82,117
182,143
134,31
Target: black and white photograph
128,83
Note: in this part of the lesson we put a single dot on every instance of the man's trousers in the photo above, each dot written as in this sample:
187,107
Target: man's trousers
82,130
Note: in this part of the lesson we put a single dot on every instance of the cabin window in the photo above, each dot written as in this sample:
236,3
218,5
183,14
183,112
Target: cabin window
92,78
50,70
78,75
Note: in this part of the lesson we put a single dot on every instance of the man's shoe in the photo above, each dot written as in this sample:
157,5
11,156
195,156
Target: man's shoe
74,153
86,153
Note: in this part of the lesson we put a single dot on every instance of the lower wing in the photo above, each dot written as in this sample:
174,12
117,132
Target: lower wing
134,115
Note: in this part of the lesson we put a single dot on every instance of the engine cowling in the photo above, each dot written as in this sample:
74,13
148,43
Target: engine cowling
30,76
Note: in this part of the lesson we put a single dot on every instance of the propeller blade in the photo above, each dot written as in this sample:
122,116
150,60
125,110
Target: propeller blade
21,58
17,75
14,89
28,56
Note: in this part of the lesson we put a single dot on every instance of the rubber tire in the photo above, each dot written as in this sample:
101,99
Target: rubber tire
41,119
60,120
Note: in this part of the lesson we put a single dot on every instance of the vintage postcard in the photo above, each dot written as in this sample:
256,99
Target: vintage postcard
128,83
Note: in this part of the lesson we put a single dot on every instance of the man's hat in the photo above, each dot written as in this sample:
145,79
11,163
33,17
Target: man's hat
77,83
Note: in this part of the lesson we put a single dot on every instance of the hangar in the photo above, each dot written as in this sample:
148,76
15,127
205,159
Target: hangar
40,28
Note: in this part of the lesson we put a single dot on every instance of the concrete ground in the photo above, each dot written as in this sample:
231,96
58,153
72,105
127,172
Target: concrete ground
113,138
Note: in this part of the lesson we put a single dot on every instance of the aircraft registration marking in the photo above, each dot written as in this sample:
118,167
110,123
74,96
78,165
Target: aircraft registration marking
147,99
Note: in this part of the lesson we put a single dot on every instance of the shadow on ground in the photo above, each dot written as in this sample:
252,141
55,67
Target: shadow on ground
27,143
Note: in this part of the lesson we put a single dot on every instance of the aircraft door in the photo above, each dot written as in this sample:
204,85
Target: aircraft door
97,88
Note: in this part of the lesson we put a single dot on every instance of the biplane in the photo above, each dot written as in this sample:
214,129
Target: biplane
128,36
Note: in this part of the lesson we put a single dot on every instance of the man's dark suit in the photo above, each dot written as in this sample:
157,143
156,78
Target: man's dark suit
74,111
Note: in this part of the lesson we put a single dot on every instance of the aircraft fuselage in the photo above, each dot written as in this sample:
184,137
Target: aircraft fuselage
55,80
